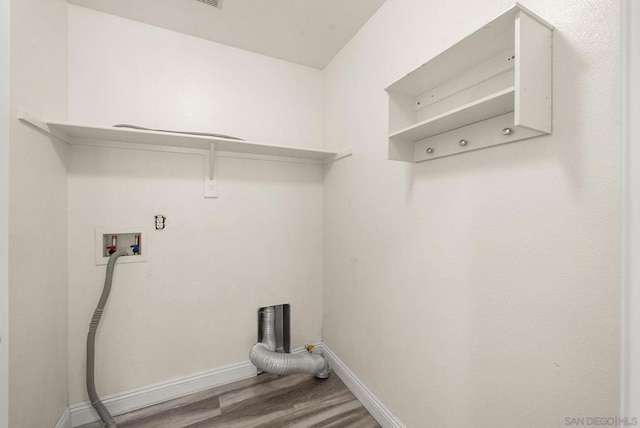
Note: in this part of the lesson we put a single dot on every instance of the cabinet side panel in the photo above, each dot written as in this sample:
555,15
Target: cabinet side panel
402,112
533,74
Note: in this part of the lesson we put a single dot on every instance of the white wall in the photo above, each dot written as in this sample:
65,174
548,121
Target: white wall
122,71
37,265
192,306
630,307
4,214
478,290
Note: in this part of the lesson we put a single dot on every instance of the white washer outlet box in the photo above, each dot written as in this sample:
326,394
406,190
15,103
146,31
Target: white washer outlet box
111,239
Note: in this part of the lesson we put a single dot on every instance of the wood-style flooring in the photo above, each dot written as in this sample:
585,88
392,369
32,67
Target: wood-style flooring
265,401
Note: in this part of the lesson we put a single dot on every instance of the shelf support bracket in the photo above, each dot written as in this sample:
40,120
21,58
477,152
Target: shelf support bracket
210,173
26,117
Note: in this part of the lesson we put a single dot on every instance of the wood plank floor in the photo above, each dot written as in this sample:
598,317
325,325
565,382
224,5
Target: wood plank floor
265,401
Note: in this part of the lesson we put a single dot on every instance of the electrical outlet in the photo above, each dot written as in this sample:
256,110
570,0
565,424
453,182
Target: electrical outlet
160,222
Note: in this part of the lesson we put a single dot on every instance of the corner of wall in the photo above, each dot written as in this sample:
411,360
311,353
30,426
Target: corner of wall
4,213
37,219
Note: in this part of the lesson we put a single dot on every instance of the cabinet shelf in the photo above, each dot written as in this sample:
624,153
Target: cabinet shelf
463,99
485,108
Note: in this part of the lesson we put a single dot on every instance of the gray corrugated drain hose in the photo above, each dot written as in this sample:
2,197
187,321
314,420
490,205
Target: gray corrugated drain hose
264,357
91,343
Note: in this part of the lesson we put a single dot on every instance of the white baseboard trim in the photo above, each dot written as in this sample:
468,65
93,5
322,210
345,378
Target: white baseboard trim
83,413
64,421
378,410
117,404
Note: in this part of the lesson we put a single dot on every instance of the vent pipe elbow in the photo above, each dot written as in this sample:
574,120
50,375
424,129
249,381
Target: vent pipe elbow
264,357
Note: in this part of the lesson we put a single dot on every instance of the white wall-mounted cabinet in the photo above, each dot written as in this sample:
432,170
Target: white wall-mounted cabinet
492,87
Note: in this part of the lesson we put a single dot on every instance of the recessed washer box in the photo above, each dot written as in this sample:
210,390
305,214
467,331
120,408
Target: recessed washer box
125,238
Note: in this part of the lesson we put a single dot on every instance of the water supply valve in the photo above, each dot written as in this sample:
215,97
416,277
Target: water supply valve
136,246
114,245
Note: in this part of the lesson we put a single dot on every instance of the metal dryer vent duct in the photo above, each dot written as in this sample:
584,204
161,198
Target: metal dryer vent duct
263,354
214,3
282,328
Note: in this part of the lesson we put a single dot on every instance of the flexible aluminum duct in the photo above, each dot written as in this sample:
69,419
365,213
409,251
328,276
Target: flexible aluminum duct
264,357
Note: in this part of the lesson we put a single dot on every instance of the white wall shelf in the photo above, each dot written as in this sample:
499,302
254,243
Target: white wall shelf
461,100
177,142
476,111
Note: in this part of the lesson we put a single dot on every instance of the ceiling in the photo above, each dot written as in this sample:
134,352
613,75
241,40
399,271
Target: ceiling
307,32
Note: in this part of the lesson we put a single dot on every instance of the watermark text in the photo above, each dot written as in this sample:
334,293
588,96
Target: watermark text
601,421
